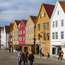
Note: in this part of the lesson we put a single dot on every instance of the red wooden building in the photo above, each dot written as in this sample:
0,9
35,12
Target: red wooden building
22,32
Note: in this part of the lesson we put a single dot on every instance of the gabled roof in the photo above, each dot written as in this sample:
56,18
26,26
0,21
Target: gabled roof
25,21
62,3
49,8
17,21
34,18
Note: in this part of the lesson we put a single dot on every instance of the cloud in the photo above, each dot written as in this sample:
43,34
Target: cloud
19,9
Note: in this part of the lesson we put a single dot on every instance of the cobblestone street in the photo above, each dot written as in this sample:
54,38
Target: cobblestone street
7,58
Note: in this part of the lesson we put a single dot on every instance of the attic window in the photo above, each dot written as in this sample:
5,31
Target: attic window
43,14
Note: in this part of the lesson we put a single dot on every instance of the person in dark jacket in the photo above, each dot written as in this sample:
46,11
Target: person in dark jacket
24,58
31,58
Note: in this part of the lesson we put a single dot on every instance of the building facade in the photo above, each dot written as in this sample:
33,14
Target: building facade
30,33
10,43
43,28
3,37
22,33
58,29
7,29
15,32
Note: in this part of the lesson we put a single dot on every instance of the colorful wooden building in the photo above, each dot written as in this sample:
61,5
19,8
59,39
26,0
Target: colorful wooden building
30,32
43,28
22,33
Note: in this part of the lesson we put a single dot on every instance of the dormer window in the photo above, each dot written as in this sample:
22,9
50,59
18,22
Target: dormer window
42,14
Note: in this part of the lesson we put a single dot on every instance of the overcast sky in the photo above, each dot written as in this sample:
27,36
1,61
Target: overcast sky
19,9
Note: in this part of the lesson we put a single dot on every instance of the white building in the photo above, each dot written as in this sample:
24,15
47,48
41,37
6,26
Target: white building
57,34
3,37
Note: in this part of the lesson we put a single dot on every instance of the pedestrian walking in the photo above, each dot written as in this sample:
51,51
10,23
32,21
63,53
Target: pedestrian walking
41,52
25,58
48,55
31,58
19,56
60,55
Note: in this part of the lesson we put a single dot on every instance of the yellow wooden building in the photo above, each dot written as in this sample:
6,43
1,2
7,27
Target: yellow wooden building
43,28
15,31
30,32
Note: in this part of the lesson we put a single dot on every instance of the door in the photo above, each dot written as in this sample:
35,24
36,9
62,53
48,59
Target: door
37,49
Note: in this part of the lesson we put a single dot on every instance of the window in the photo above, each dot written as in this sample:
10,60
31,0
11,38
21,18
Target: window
53,35
58,12
38,36
56,35
42,14
44,36
62,22
53,24
38,26
56,23
62,35
53,50
23,38
45,25
20,38
23,31
48,36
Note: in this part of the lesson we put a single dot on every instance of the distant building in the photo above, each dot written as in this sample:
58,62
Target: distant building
2,37
7,29
11,46
15,32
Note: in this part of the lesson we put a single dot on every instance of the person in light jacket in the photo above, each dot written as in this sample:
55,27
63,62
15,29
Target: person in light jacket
19,57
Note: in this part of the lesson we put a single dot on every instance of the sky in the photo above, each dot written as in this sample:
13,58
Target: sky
19,9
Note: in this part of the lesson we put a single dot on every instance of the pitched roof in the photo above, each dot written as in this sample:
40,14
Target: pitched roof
49,9
62,3
17,21
34,18
24,20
